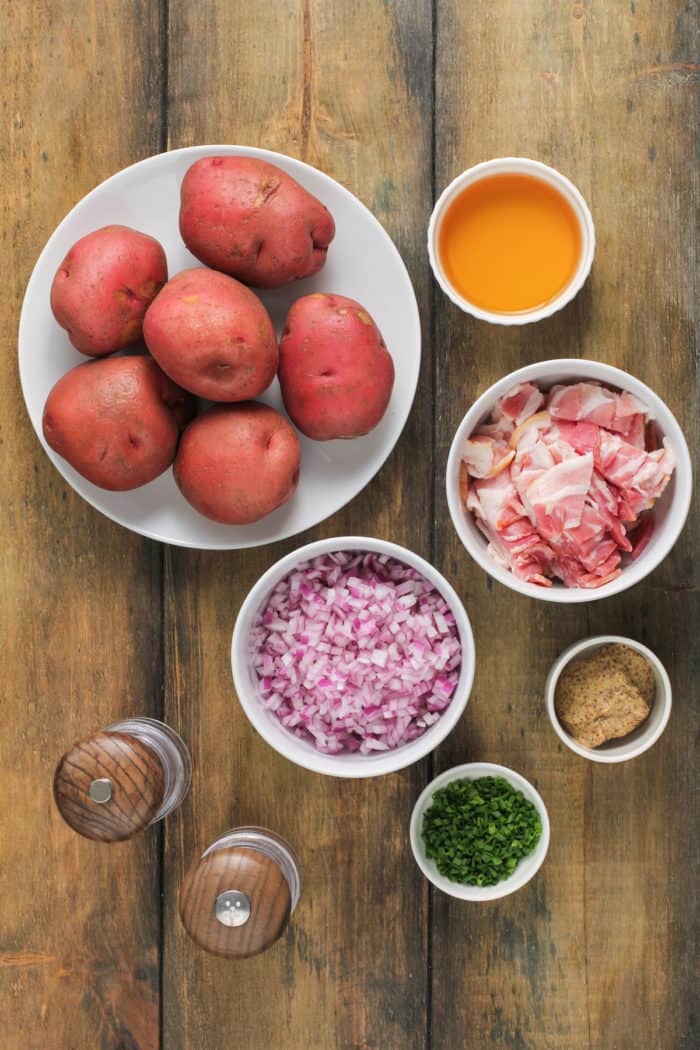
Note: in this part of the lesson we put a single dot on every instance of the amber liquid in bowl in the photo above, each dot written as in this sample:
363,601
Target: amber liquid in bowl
509,243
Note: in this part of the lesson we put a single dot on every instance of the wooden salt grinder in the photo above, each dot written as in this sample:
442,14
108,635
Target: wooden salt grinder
237,899
117,782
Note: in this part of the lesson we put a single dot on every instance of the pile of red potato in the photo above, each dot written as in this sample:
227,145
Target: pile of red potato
120,421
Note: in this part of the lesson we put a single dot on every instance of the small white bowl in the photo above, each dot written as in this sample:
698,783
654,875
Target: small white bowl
302,752
527,867
669,512
519,166
636,742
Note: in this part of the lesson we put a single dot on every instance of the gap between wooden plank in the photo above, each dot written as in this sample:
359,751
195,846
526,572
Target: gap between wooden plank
163,46
432,299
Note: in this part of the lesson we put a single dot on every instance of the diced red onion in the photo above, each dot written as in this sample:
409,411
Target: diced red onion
356,652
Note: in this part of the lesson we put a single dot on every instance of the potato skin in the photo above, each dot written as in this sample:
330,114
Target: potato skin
104,286
238,463
335,371
252,220
116,421
212,336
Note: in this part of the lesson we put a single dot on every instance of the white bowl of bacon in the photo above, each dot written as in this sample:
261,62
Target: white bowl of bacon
353,657
569,480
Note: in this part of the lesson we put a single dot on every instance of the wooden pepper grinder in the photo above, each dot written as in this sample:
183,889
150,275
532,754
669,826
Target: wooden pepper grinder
237,899
122,779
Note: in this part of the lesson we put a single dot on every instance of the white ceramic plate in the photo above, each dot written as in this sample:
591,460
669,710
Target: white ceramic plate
363,263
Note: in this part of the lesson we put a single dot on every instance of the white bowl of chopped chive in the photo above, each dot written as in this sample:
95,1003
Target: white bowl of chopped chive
479,831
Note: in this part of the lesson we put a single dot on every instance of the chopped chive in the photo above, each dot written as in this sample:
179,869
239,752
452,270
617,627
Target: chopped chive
478,831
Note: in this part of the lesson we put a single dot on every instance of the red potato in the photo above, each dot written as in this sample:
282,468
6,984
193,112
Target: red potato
335,371
117,421
252,220
104,286
212,335
238,463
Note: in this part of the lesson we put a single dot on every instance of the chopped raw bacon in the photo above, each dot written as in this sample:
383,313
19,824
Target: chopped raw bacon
486,456
557,496
641,476
500,430
557,481
593,403
463,482
532,423
636,435
641,535
602,498
582,437
583,402
498,501
519,547
521,402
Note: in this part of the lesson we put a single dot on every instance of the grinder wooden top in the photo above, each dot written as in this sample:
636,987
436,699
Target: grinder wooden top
109,786
242,877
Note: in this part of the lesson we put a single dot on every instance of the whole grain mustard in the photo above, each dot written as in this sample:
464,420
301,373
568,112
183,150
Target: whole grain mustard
606,695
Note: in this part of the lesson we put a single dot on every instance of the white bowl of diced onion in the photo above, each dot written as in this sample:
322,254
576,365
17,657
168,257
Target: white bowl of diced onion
301,750
669,512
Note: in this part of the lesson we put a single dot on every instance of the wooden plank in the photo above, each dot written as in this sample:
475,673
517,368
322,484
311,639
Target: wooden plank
346,87
79,600
597,951
641,860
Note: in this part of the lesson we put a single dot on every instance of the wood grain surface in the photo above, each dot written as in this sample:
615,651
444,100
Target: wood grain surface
340,98
79,924
592,953
243,870
393,99
136,780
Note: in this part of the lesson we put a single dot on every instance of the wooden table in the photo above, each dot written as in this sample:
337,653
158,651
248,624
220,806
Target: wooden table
393,99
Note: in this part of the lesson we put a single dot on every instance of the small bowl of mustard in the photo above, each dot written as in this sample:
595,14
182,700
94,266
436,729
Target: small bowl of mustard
511,240
608,698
